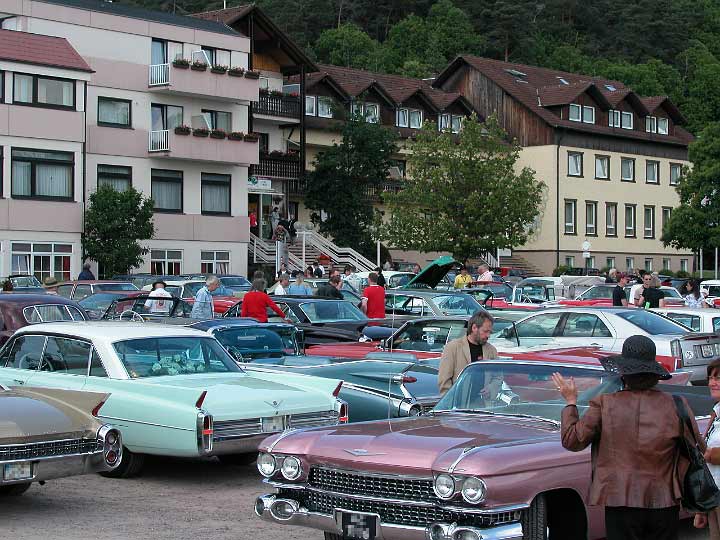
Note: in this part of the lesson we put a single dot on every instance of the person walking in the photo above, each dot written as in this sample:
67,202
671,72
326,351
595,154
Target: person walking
299,287
282,286
331,289
618,294
465,350
463,279
650,295
256,301
373,298
693,297
712,451
86,274
612,276
203,307
637,468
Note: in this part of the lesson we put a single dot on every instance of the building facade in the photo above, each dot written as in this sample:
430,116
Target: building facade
154,122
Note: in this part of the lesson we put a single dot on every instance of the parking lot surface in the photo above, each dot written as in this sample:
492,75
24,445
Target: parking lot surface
173,500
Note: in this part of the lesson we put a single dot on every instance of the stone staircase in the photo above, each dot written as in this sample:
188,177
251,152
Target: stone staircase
516,261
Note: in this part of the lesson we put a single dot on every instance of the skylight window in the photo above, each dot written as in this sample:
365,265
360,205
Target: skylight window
516,73
610,87
563,81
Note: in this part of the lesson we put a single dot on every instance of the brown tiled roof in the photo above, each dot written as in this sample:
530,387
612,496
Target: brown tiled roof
225,16
653,103
530,84
40,50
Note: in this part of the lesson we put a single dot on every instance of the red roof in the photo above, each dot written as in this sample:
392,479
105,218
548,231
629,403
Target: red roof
41,50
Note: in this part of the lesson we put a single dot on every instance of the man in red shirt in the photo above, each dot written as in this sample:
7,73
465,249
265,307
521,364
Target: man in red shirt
373,299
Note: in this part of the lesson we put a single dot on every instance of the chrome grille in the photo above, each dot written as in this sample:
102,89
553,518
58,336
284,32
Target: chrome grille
233,429
314,419
376,486
48,449
396,514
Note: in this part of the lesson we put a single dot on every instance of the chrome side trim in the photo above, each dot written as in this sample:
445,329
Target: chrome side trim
284,434
465,451
144,423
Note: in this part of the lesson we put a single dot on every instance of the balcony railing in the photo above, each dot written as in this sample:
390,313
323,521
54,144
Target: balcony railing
159,141
298,186
273,105
159,74
278,166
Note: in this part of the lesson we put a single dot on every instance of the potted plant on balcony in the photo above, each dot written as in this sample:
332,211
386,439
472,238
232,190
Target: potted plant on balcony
182,63
236,72
201,132
252,137
182,130
218,134
236,136
197,65
220,70
251,74
277,93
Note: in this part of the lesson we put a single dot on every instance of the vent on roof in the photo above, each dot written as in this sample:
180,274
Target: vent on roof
610,87
516,73
562,81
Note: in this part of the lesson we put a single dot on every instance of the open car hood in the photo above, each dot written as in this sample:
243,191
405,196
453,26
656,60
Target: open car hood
432,274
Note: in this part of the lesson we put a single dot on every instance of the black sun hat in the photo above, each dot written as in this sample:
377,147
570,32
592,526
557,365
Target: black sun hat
638,356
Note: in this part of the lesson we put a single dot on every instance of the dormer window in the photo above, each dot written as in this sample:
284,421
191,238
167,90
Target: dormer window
411,118
651,124
614,118
582,113
369,111
575,112
401,118
589,115
662,126
626,120
452,122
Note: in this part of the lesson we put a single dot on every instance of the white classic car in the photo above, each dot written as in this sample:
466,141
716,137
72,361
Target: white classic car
174,391
697,319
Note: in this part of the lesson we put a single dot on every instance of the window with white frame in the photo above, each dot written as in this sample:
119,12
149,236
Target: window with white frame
649,219
651,124
610,219
626,120
310,109
610,262
575,112
602,167
452,122
684,265
652,172
662,126
42,174
588,114
648,264
41,259
627,169
675,173
666,213
666,263
629,220
416,118
165,262
575,164
324,107
570,216
614,118
372,113
401,118
569,261
215,262
590,262
630,263
591,218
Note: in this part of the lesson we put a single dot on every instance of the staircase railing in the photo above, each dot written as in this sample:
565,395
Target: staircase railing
263,251
337,254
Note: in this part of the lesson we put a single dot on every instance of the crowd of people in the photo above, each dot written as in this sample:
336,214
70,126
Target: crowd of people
645,291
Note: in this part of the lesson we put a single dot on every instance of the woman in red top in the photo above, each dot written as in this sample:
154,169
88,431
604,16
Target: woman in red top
256,301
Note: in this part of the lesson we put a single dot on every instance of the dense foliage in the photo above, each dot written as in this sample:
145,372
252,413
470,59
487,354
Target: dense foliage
115,223
465,194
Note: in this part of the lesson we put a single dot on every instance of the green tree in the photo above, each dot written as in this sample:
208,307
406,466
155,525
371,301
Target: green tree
348,46
115,223
695,224
344,173
463,195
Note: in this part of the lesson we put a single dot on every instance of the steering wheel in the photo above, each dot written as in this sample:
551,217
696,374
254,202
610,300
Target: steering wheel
135,316
29,361
48,360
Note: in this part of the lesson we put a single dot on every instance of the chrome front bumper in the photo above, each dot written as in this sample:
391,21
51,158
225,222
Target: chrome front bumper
59,467
289,512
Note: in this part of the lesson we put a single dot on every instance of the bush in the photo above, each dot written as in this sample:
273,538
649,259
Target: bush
560,270
682,274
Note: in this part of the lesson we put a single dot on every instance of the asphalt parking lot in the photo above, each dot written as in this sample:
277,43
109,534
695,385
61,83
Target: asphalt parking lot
173,499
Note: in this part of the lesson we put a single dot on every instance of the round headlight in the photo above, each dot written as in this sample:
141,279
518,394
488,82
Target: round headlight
473,490
266,465
444,486
291,468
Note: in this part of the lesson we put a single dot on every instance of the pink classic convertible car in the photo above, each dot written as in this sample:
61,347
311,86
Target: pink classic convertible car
472,468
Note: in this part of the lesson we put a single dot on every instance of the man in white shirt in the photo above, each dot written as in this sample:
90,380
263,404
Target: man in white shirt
158,306
282,285
485,273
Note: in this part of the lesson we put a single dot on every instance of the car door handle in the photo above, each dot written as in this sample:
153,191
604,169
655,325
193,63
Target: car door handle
595,344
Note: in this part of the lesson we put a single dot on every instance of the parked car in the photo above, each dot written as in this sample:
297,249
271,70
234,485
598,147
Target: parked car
470,468
696,319
232,283
378,386
348,291
533,291
411,303
601,295
23,283
608,327
18,310
96,304
393,279
174,391
77,290
188,288
48,433
140,306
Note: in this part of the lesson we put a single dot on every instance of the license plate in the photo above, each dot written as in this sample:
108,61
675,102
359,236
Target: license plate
17,471
707,350
273,423
359,526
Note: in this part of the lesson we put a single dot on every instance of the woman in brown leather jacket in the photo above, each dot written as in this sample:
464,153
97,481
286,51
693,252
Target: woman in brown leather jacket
712,453
634,433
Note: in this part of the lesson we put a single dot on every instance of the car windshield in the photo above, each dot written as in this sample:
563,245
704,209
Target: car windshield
147,306
428,336
174,290
233,282
155,357
523,389
52,313
457,304
652,323
499,290
331,311
686,319
25,281
98,301
250,342
671,292
536,292
191,289
713,290
594,293
116,287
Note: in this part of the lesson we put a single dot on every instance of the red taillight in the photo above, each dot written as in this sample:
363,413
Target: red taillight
200,400
207,426
344,413
96,409
336,392
408,379
111,457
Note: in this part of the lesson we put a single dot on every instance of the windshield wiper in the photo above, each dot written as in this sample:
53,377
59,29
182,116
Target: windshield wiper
533,417
495,413
474,411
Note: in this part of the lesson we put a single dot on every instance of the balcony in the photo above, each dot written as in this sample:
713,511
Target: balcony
168,144
185,81
283,106
283,166
298,186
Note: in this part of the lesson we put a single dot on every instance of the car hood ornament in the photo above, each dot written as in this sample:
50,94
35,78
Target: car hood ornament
363,452
274,404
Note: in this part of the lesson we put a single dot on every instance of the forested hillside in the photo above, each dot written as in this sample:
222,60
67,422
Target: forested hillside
656,46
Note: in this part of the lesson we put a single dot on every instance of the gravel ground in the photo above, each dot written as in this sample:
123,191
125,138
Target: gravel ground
174,499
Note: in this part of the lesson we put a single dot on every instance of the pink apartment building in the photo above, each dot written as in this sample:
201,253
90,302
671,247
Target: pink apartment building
91,95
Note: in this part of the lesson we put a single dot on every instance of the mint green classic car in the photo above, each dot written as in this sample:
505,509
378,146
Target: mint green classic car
174,391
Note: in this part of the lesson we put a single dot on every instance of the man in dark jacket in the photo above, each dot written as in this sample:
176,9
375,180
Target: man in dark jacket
86,273
331,289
